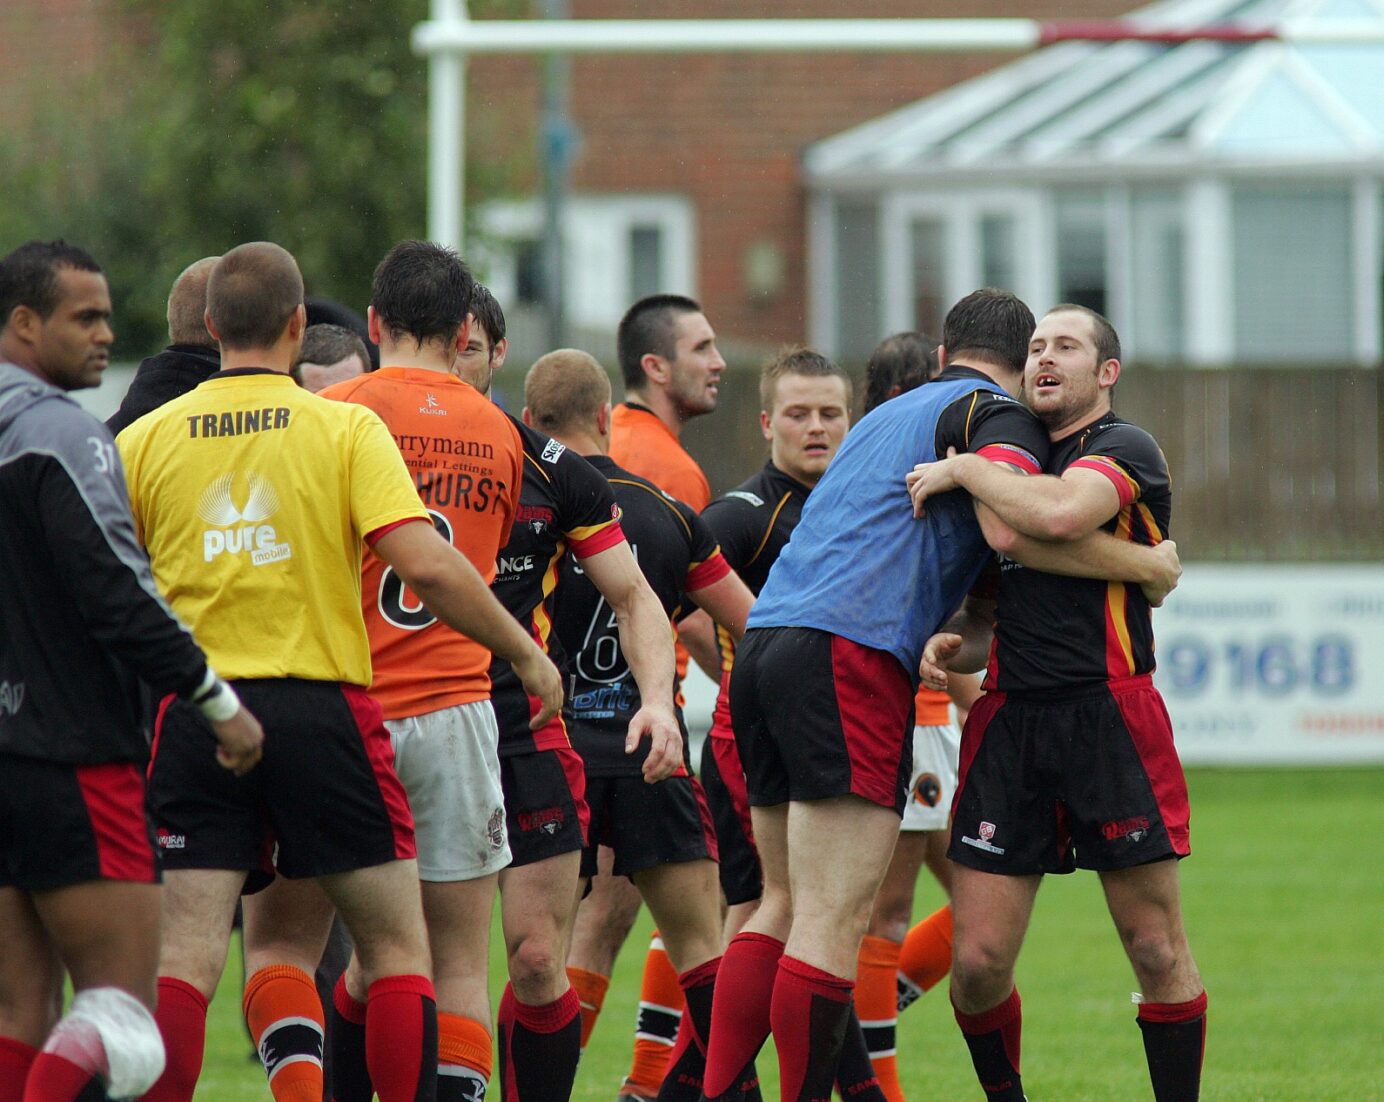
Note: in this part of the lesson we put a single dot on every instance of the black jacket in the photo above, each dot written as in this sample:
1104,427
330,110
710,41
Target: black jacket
159,379
80,616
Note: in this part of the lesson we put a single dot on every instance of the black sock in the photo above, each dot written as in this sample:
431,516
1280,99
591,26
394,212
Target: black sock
346,1031
855,1074
539,1048
1174,1040
993,1038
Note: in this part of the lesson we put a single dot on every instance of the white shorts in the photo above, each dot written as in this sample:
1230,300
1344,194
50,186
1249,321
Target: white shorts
936,751
450,766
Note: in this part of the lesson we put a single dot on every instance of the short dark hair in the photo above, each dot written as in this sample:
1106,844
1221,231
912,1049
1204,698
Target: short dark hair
29,276
648,327
796,360
899,364
325,344
252,292
1107,340
422,290
485,308
989,325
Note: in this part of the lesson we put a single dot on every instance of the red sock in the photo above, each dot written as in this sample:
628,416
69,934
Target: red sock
182,1019
1174,1043
15,1059
284,1013
656,1030
993,1038
401,1038
740,1010
539,1048
925,956
53,1079
809,1015
687,1064
591,988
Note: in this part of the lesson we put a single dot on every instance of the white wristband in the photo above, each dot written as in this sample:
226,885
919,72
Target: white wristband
216,699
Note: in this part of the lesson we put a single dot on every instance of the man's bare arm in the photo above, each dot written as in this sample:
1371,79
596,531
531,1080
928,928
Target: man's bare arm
727,602
697,633
962,645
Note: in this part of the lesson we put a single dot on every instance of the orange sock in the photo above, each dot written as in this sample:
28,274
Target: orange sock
285,1018
591,990
876,1001
464,1061
926,956
660,1012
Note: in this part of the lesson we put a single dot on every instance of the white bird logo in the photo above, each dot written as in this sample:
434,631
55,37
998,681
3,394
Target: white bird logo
216,506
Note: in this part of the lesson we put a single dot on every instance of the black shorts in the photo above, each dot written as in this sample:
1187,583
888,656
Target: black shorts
1087,778
325,793
545,804
64,824
817,715
647,825
723,779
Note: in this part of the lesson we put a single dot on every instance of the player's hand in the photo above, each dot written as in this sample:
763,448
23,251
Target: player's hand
541,680
928,479
660,727
239,742
1167,569
937,652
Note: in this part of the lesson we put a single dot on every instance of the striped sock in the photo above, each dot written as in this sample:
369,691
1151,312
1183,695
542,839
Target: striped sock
284,1013
876,1002
656,1031
464,1061
925,956
591,988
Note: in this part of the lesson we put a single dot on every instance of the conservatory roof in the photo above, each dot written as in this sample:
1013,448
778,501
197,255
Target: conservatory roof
1139,107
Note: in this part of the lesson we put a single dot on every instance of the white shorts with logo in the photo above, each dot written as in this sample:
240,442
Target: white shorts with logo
936,752
450,766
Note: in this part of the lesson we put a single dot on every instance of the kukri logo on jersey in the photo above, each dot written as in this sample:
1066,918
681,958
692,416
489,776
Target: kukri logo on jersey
241,529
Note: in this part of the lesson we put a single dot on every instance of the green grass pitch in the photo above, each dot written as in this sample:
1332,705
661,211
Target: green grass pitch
1284,900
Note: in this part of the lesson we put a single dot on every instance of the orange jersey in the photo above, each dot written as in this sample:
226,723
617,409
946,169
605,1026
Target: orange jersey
467,462
931,708
645,446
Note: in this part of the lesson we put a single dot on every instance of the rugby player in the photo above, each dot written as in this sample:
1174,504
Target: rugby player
255,500
433,686
79,619
822,690
330,354
1069,694
660,835
565,505
190,358
671,369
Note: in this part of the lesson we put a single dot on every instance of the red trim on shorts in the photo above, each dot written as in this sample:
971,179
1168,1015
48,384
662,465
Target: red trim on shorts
164,705
1146,717
597,542
720,714
380,753
713,849
972,735
371,538
114,798
553,734
727,756
874,699
574,769
708,572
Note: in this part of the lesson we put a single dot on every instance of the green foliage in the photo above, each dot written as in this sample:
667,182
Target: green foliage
206,125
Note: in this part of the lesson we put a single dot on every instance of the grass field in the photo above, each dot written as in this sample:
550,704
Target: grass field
1284,898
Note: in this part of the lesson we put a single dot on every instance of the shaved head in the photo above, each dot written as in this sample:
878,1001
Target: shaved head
565,390
187,304
253,291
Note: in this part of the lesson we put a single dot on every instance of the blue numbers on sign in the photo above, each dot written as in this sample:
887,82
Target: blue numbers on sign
1273,667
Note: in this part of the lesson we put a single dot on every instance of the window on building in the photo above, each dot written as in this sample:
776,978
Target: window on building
1159,320
1081,250
645,261
857,260
528,272
929,275
1291,255
998,252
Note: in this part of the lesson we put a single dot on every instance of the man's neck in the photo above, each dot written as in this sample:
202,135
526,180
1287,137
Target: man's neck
583,443
270,359
13,352
408,355
660,405
1076,424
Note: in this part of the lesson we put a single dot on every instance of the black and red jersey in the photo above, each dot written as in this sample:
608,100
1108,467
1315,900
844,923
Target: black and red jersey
1056,632
678,555
564,504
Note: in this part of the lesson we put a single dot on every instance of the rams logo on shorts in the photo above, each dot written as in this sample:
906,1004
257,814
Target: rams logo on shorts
928,790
